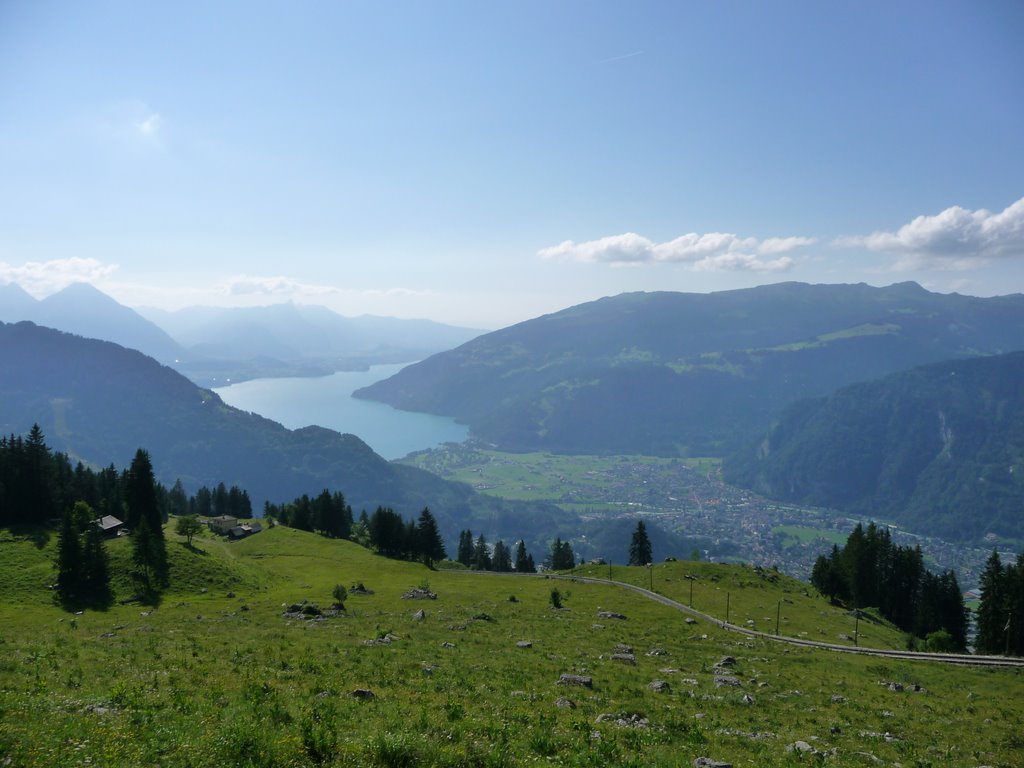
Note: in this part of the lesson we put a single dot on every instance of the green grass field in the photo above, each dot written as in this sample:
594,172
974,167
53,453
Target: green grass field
568,480
216,675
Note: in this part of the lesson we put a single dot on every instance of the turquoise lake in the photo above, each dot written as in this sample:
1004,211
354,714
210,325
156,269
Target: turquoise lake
327,402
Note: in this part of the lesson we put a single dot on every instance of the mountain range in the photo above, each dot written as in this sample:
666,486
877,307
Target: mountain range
691,374
86,311
939,448
217,346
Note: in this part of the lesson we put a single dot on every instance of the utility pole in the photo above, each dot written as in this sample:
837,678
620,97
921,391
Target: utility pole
778,613
727,595
1009,618
856,626
650,573
609,569
691,590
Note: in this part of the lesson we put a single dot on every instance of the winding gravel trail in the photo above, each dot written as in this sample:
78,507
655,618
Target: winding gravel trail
945,658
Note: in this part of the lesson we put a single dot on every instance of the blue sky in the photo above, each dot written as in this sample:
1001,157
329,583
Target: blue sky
483,163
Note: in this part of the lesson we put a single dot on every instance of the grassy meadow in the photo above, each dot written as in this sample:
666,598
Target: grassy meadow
217,675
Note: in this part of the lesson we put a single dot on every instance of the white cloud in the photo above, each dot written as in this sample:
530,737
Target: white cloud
953,239
150,126
41,278
705,252
247,285
285,287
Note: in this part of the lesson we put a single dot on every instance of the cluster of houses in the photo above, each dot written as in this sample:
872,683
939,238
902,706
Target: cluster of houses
229,526
226,525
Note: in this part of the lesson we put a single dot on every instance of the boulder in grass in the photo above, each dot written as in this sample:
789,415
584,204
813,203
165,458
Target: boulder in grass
581,681
363,694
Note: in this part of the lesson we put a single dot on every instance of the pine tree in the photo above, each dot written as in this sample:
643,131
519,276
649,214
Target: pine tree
481,556
992,612
502,559
524,563
562,557
149,550
640,546
465,553
69,560
96,568
428,539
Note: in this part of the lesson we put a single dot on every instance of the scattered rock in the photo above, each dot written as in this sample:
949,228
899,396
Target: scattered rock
659,686
446,644
359,589
624,721
837,699
873,759
597,626
747,699
691,620
563,703
657,652
726,681
513,599
625,658
689,681
578,680
482,617
524,644
895,687
610,615
420,615
725,661
622,648
383,640
363,694
800,746
108,634
419,593
707,762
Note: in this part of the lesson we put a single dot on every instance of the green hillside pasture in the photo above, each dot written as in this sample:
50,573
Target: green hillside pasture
211,680
560,479
755,598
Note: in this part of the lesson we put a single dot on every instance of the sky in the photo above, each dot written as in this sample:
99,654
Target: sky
482,163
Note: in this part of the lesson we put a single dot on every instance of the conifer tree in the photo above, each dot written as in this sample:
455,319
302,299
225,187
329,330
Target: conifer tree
501,561
992,613
96,567
524,562
69,559
465,553
428,539
481,555
640,546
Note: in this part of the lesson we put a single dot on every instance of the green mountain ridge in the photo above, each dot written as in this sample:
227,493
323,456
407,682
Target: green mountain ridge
99,402
691,374
939,448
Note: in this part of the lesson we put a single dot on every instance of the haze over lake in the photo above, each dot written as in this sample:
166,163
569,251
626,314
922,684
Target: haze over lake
327,402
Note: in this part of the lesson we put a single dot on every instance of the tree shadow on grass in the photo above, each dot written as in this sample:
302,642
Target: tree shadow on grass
194,549
37,534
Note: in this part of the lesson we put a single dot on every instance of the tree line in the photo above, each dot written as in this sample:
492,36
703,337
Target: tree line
1000,616
385,531
44,488
872,571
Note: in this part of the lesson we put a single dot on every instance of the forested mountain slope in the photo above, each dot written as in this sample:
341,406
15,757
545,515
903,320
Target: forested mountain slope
678,374
100,402
938,449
